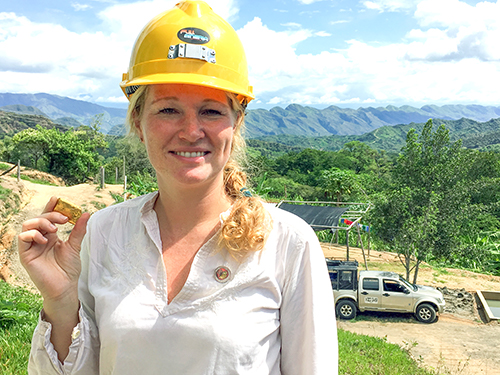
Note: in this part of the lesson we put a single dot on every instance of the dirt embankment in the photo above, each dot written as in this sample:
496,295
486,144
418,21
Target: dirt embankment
32,200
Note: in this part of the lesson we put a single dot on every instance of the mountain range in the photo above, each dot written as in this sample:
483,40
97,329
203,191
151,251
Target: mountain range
474,135
295,119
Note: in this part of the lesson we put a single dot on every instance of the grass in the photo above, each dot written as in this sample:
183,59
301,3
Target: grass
19,311
117,197
4,193
98,205
366,355
34,180
9,203
4,167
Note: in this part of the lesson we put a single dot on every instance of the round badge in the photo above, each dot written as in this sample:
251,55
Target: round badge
193,35
222,274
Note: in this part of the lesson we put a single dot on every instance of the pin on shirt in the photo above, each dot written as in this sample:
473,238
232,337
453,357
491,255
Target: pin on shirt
222,274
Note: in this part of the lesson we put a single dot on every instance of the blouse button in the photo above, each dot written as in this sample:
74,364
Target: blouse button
76,333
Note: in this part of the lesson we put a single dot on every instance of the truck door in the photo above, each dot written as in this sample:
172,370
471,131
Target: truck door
370,294
396,296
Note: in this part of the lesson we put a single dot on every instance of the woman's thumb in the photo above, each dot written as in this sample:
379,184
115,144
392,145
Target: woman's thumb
76,237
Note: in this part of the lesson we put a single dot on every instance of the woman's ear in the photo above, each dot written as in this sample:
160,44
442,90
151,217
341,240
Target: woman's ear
239,119
137,125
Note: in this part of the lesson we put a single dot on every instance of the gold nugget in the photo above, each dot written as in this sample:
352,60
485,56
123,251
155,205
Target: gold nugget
72,211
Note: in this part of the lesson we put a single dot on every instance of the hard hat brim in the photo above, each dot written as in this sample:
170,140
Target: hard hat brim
189,79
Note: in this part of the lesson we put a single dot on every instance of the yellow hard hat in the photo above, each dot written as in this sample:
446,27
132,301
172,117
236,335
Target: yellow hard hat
189,44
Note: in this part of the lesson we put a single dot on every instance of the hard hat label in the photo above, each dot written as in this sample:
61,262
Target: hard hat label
193,35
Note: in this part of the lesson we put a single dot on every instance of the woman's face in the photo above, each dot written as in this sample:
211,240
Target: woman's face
187,131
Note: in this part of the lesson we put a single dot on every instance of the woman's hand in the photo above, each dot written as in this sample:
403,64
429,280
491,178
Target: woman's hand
53,265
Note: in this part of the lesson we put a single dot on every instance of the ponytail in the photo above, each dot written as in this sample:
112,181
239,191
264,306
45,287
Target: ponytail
248,225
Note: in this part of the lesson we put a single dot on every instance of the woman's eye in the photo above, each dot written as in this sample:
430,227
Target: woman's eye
168,111
211,112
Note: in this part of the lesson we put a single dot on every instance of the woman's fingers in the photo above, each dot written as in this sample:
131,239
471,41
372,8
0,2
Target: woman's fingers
42,229
39,230
43,223
27,238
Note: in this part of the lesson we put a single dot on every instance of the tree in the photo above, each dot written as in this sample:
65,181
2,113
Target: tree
428,203
405,226
29,146
71,155
363,156
337,182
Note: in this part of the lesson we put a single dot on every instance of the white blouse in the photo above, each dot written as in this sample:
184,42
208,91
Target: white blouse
272,313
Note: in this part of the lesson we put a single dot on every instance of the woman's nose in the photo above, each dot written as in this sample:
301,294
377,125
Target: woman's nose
192,128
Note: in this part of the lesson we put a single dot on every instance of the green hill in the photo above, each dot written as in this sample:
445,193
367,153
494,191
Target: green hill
477,135
12,123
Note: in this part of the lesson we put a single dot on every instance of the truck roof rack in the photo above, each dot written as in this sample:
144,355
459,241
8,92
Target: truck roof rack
336,262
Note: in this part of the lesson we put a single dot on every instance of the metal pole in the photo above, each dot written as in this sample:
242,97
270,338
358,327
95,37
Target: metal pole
116,175
369,228
124,188
124,170
362,249
347,242
102,177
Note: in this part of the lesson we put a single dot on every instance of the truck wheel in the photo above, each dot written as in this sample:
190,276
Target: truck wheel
426,313
346,309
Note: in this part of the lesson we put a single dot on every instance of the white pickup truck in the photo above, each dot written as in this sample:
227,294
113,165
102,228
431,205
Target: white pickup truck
380,291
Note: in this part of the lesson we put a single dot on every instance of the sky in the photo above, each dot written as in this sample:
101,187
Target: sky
347,53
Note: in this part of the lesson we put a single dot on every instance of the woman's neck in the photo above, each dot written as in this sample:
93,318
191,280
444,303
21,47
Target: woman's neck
184,209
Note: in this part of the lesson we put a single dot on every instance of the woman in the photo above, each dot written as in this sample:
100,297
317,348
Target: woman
199,277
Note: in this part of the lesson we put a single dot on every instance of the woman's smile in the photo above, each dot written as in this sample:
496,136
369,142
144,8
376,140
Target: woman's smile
195,154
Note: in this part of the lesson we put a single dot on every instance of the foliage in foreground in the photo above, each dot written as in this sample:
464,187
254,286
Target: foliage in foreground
19,311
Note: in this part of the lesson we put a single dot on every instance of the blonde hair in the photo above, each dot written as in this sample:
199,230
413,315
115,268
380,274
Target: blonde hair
248,225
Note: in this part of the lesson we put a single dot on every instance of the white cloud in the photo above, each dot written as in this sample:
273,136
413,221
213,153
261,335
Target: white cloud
291,24
391,5
372,5
457,31
48,57
79,7
307,2
267,59
322,33
338,22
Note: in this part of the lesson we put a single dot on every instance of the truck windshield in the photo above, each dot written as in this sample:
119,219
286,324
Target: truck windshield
411,286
